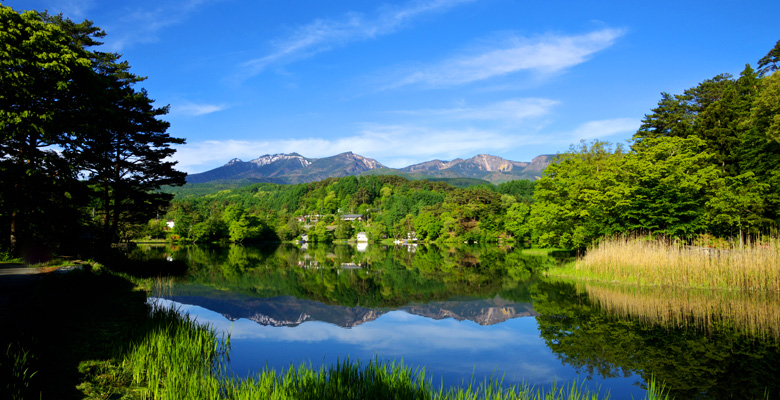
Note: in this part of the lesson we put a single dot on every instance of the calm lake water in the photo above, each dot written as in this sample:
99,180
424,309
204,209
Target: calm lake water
470,313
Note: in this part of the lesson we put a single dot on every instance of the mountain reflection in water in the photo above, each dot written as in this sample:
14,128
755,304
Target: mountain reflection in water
470,313
291,311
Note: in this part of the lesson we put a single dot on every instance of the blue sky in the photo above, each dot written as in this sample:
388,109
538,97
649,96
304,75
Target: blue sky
410,81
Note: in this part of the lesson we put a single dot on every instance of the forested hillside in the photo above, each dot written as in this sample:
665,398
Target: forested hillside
390,207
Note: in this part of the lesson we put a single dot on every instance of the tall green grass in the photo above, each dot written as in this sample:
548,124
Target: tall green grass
179,358
16,371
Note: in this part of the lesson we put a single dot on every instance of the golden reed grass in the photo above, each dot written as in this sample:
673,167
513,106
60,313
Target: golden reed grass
753,313
659,262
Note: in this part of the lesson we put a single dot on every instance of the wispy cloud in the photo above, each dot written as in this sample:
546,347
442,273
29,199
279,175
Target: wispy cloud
545,55
193,109
602,129
325,34
514,110
73,9
143,25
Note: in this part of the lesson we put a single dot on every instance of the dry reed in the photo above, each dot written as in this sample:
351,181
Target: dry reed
659,262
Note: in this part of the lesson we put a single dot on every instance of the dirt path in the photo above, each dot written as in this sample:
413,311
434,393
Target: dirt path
16,287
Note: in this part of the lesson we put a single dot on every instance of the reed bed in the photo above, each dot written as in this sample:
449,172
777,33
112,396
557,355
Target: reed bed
181,359
660,262
177,359
755,314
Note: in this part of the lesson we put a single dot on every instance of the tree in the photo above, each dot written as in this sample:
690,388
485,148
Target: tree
521,189
58,95
38,64
427,225
124,148
676,114
768,63
516,221
119,143
668,182
761,142
578,198
344,230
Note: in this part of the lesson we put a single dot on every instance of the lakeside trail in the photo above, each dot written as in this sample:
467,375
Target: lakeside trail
17,286
54,317
17,283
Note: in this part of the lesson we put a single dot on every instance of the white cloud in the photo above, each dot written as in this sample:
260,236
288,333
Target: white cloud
325,34
192,109
545,55
602,129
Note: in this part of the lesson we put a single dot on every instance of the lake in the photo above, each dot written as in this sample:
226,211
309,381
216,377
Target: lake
470,313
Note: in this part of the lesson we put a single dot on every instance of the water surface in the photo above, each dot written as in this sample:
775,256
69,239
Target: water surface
469,313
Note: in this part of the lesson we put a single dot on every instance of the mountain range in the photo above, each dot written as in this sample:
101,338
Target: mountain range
295,168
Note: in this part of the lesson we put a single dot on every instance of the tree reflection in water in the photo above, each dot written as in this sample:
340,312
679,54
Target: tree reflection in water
717,360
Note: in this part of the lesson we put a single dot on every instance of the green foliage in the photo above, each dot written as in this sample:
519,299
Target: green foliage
517,221
344,230
666,186
155,229
521,189
576,198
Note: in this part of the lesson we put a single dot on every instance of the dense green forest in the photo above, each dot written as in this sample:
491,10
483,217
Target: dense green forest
706,161
390,206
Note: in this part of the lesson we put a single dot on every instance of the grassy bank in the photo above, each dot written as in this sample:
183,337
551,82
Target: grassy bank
92,335
645,262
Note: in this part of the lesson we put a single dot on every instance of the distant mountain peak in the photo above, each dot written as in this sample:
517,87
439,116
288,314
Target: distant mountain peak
295,168
272,158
